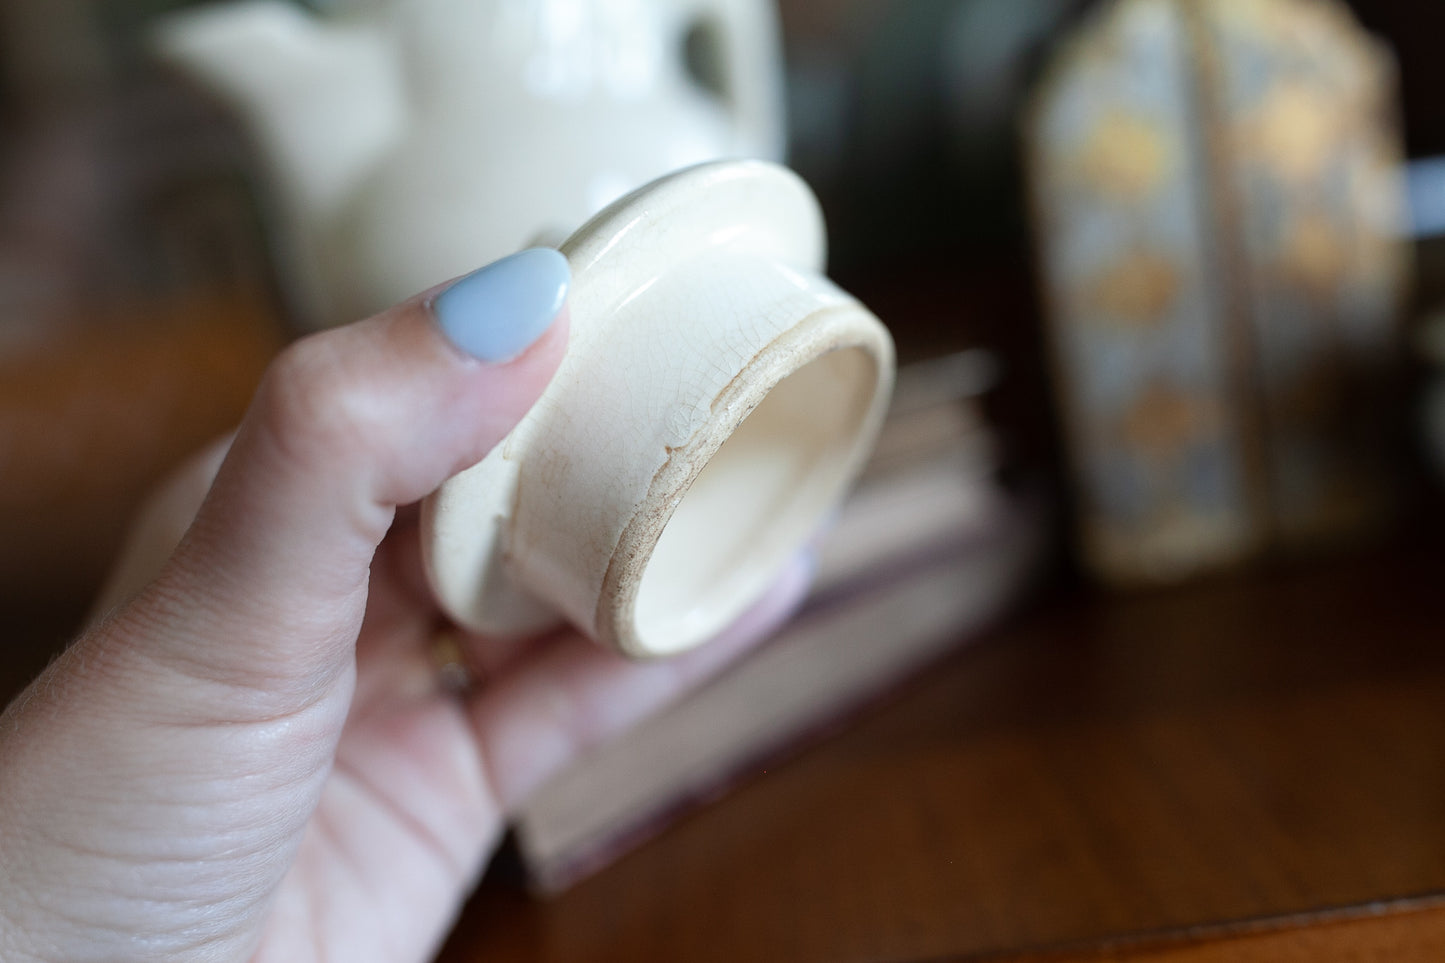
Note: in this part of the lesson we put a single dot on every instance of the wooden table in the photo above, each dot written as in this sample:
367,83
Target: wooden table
1247,769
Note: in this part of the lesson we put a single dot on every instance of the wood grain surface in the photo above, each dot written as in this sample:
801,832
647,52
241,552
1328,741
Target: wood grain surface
1399,930
1105,769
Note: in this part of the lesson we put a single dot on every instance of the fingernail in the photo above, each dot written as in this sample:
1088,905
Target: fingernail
496,313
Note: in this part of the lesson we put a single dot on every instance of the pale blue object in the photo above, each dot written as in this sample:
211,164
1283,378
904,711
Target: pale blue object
1426,180
496,313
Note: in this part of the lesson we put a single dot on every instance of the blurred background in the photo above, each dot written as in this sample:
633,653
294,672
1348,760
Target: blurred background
162,231
1168,283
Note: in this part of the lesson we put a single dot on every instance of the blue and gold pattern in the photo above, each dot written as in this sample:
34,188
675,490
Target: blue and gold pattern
1218,204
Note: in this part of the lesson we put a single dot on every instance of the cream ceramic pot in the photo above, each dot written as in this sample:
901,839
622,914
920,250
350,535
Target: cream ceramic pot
718,396
409,141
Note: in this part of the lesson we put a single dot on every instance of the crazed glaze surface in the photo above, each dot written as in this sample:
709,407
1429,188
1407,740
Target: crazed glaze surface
692,299
410,141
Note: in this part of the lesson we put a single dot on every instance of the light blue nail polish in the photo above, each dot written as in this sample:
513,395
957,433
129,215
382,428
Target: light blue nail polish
496,313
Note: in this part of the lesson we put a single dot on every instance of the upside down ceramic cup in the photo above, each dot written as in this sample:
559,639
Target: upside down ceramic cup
718,396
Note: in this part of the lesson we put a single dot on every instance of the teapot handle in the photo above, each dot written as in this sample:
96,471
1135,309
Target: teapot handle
742,38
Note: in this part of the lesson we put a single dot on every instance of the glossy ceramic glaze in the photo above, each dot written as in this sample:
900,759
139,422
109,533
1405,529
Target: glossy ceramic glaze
718,396
409,141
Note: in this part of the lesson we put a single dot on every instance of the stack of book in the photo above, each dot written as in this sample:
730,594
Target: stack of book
927,551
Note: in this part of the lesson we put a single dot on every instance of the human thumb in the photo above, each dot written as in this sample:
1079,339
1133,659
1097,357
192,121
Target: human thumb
267,589
158,778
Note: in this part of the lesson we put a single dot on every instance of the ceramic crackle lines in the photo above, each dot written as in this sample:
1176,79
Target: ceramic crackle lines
718,396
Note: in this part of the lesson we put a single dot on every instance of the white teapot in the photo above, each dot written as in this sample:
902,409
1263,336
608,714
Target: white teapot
410,141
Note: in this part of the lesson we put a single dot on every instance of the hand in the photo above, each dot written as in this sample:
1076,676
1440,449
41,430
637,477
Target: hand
254,757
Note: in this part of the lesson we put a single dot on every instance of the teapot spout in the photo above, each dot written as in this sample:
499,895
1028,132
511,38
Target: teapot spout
322,101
